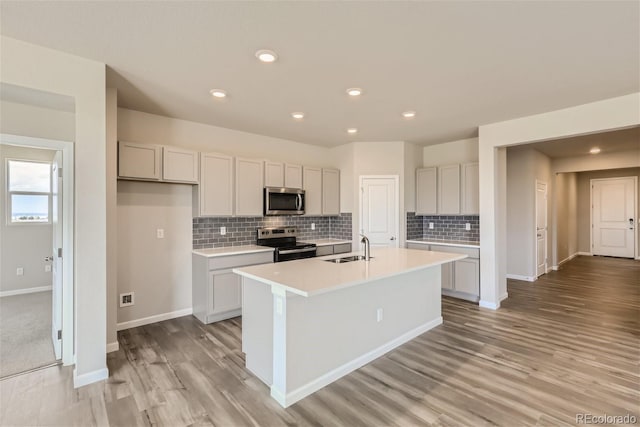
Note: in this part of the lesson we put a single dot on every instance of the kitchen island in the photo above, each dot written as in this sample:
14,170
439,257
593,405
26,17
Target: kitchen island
308,322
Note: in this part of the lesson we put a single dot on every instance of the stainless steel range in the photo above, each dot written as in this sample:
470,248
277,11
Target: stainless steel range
284,240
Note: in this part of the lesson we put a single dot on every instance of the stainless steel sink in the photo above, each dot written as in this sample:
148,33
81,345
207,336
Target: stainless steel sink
346,259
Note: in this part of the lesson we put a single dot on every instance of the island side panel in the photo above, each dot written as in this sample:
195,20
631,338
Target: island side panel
329,335
257,328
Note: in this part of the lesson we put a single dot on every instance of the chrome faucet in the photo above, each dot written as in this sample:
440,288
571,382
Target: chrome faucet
367,247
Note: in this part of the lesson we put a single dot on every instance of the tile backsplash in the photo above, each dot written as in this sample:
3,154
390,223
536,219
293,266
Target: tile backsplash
445,227
242,230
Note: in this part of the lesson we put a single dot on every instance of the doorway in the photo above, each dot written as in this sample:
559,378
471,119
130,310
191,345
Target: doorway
613,216
379,209
541,228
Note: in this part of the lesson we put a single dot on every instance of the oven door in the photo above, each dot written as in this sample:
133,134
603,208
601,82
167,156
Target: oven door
291,254
283,201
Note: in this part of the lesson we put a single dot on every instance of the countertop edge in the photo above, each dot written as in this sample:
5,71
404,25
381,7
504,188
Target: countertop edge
445,243
247,250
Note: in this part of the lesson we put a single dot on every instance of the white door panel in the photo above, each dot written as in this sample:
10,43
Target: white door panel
541,228
379,210
613,212
56,263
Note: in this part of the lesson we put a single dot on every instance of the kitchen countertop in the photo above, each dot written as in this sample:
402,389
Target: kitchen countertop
231,250
458,243
314,276
325,242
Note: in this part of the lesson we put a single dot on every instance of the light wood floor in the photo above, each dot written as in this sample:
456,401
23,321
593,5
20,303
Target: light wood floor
567,344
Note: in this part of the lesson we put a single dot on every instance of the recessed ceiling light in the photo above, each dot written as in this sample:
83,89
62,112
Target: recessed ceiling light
266,55
352,131
594,150
297,115
409,114
354,91
218,93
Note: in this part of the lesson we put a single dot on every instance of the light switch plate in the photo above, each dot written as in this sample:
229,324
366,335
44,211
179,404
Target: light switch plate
223,231
19,271
430,226
467,226
47,268
160,233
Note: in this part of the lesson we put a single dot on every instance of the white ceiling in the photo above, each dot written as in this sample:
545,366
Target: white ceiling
608,142
458,64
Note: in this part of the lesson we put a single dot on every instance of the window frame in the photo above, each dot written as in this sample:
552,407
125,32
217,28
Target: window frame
9,194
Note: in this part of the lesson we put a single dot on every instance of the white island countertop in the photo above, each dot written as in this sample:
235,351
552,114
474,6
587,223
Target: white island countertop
314,276
231,250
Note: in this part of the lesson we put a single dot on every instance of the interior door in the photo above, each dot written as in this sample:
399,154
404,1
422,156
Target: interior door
541,228
56,259
613,213
379,209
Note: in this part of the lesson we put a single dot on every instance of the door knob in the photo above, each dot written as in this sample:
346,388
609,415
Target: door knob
392,238
48,258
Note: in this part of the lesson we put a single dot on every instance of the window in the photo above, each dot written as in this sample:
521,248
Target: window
29,191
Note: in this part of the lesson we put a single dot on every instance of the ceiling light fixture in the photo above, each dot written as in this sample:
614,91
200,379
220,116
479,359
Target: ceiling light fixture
352,131
594,150
267,56
297,115
409,114
218,93
354,91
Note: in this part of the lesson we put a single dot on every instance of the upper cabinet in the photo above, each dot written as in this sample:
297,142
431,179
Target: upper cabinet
179,165
449,189
215,192
470,189
312,185
330,192
426,191
249,187
273,174
139,161
292,176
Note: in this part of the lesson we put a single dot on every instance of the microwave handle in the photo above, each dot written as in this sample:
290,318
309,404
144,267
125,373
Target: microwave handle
299,202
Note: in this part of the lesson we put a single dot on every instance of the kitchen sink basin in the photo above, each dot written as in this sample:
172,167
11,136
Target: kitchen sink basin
346,259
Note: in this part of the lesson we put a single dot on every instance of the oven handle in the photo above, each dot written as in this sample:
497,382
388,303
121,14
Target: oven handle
295,251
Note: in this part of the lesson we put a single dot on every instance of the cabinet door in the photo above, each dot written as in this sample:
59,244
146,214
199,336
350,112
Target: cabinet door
273,174
216,185
225,291
312,185
330,192
426,191
249,187
467,276
292,176
470,189
447,276
449,189
179,165
139,161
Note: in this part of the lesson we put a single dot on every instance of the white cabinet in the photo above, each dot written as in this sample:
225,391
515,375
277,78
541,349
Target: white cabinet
139,161
179,165
273,174
467,274
216,290
312,185
447,275
249,187
449,190
470,191
292,176
330,192
426,191
215,193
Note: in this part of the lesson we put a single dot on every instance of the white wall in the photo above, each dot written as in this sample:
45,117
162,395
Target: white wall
22,245
461,151
566,219
37,122
112,220
39,68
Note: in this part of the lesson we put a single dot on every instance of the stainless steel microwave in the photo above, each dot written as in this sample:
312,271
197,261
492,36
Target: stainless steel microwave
283,201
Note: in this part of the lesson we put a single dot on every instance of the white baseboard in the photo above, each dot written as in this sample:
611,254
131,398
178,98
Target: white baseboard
567,259
289,399
153,319
489,305
25,291
585,253
113,346
519,277
503,297
89,377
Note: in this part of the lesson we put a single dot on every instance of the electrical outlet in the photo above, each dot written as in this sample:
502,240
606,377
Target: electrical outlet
467,226
47,268
313,225
19,271
379,315
223,231
127,299
160,233
430,226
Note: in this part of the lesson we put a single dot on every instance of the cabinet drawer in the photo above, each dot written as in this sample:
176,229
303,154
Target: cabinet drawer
324,250
342,248
243,260
471,252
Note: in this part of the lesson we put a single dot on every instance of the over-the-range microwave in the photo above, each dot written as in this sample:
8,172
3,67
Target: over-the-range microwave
283,201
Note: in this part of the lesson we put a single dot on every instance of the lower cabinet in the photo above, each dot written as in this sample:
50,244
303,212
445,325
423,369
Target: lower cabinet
217,291
340,248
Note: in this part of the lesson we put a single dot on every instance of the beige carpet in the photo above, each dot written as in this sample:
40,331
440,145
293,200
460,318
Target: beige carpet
25,332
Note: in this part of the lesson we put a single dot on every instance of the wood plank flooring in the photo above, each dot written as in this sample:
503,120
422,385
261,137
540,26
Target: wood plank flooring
566,344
